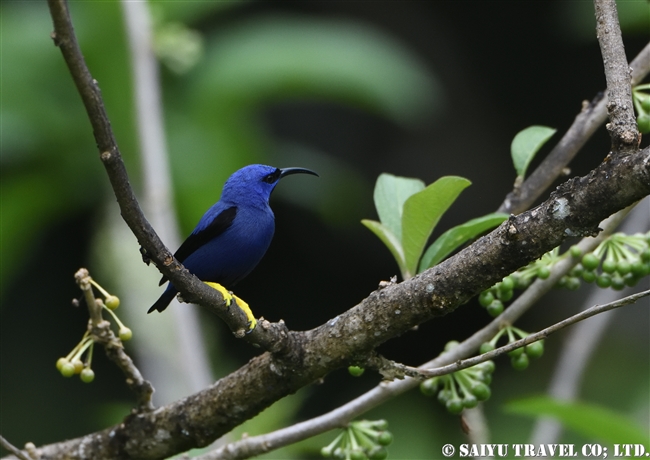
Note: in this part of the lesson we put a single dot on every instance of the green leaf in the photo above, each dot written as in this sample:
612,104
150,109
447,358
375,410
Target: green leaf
389,239
526,144
266,59
456,236
590,420
422,211
390,194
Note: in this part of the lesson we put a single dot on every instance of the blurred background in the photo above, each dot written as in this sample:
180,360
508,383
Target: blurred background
348,89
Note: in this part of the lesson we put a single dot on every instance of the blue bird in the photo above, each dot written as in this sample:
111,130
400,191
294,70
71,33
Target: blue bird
233,235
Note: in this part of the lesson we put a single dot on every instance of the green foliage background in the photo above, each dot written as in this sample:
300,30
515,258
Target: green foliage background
348,90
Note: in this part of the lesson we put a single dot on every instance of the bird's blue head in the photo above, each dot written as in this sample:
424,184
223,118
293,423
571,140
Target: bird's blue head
254,183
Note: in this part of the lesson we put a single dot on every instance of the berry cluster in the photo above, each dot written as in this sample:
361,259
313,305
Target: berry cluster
519,357
461,389
72,363
623,260
642,106
361,440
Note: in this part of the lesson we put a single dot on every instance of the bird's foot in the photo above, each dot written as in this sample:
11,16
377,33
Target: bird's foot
252,322
228,297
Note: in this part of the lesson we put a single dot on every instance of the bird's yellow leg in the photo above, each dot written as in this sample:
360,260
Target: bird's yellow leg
252,322
227,296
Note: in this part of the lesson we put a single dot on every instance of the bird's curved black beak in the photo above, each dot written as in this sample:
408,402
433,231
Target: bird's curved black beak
288,171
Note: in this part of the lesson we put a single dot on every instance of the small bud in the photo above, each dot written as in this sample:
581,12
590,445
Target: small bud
87,375
67,369
112,302
60,362
125,334
78,366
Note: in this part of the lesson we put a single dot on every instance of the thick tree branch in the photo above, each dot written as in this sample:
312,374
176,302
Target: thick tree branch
574,209
622,125
590,118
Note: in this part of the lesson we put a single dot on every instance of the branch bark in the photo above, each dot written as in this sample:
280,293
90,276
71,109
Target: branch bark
590,118
299,358
622,123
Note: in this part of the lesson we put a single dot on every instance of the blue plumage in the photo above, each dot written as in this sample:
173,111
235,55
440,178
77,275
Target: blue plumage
233,235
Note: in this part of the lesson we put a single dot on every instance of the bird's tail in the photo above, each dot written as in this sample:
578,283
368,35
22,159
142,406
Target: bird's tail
164,300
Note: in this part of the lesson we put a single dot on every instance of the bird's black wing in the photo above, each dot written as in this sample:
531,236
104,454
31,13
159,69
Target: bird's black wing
220,223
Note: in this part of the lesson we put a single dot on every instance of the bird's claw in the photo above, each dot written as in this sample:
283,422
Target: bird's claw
228,297
252,322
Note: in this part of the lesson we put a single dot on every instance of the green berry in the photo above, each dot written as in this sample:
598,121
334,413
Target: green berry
486,347
87,375
378,453
578,270
575,251
495,308
357,454
543,272
645,255
643,122
520,362
385,438
487,367
125,334
508,284
325,452
429,387
589,276
470,401
604,280
60,362
617,282
485,298
78,366
624,267
444,396
67,369
638,268
516,352
356,371
609,266
455,406
504,296
572,283
630,280
112,302
535,350
481,391
590,261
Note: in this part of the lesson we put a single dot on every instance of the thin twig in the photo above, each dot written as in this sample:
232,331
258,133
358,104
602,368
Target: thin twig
102,333
13,449
590,118
622,125
544,333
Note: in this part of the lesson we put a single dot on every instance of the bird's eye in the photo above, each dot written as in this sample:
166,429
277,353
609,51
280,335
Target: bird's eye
273,177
